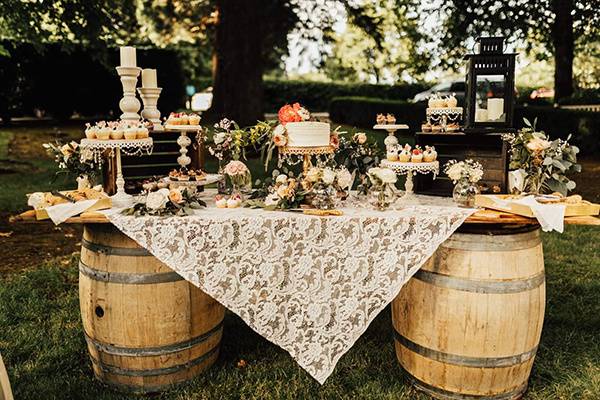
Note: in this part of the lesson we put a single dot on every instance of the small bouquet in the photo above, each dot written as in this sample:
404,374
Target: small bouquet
383,190
230,141
358,156
239,176
468,170
465,175
284,194
163,202
72,160
324,186
541,165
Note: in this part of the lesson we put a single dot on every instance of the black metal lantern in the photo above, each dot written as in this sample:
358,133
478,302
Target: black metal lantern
490,92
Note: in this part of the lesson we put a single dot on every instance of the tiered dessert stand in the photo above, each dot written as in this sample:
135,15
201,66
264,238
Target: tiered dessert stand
410,169
444,116
133,147
391,139
287,152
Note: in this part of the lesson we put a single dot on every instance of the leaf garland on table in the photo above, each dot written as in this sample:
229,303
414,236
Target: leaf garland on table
166,202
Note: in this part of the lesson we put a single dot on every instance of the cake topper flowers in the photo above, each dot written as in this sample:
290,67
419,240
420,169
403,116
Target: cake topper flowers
293,113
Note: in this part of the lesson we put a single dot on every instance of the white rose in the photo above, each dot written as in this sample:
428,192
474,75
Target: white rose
361,137
36,200
272,199
313,174
344,178
328,176
537,144
281,178
220,137
303,113
387,175
279,130
157,200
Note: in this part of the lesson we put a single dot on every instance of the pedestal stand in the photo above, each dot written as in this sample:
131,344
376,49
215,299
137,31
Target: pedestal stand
129,147
410,169
184,141
391,139
285,153
129,104
151,113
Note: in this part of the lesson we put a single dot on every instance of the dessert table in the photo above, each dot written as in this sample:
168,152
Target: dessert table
312,285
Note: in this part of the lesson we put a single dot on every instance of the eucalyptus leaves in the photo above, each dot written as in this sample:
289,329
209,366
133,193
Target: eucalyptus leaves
543,164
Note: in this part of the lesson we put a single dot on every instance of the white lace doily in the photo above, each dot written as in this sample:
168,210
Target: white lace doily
130,147
444,111
403,168
311,285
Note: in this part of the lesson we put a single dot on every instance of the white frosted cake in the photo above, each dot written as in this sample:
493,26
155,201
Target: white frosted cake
307,134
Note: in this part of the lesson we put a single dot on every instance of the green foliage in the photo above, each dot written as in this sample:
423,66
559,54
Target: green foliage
184,205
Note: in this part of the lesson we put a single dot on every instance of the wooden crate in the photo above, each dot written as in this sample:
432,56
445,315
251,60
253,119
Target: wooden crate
571,210
490,150
162,160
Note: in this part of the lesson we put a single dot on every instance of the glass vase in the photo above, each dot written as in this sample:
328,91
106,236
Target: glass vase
381,197
323,197
464,193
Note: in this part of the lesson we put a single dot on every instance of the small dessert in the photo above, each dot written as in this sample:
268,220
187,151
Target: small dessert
392,154
435,101
130,132
417,155
104,133
381,120
453,127
174,119
90,131
429,155
451,101
436,128
234,203
184,119
116,131
390,119
197,175
194,119
426,127
220,201
142,132
405,154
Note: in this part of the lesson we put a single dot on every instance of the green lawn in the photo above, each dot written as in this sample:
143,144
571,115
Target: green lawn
42,342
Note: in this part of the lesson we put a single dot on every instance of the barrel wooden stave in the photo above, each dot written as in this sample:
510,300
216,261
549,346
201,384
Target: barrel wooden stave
146,327
468,324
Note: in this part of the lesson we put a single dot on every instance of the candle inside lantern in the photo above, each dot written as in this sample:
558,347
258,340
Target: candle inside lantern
495,109
128,58
149,78
481,115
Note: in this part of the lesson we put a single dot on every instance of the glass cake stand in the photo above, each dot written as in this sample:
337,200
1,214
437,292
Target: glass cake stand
287,152
391,139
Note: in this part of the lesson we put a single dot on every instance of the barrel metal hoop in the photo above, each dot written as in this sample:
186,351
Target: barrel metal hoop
128,278
152,351
449,395
479,286
465,361
115,251
112,369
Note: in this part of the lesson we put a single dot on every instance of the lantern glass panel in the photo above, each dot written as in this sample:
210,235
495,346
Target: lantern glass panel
490,92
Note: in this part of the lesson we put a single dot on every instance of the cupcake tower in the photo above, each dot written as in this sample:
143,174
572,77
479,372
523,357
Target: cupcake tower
443,114
410,161
178,119
407,154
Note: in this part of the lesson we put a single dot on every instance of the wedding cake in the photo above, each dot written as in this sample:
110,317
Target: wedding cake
296,130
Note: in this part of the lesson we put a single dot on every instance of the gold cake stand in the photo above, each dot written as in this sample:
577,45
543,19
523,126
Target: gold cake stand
307,153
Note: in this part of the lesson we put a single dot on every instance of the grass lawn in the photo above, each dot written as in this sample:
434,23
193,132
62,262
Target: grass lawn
42,343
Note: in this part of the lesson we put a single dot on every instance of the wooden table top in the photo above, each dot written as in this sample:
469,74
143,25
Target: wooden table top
480,217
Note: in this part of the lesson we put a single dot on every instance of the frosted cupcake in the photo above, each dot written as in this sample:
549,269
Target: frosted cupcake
429,155
417,155
104,133
142,132
90,131
405,155
117,132
392,154
130,133
380,119
194,119
220,201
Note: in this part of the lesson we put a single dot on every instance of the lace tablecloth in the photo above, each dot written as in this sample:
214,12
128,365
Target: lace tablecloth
311,285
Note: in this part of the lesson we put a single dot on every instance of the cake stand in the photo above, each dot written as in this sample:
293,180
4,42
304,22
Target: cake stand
184,141
208,179
306,152
391,139
441,116
133,147
409,169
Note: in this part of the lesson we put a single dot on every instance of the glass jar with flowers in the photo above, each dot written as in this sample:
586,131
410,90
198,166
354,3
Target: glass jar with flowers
77,163
538,164
465,175
326,187
358,155
239,176
382,192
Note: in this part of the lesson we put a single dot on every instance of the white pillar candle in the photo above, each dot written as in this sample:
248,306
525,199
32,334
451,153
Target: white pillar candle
149,78
481,115
128,56
495,109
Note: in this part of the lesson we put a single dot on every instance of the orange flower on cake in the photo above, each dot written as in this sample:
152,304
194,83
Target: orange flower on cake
293,113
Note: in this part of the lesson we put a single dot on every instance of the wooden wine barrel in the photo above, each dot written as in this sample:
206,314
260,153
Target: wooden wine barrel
468,325
146,327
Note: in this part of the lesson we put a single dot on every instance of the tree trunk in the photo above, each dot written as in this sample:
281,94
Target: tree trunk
562,37
238,69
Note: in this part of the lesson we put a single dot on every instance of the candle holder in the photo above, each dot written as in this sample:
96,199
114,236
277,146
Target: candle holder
129,104
150,112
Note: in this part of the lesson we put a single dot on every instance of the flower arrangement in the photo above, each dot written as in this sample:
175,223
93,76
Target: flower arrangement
230,141
544,164
292,113
239,175
163,202
468,170
284,194
72,160
358,156
383,189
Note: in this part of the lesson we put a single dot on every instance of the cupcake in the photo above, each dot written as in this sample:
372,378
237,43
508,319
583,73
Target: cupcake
90,131
453,127
428,155
381,120
390,119
417,155
234,202
117,131
220,201
451,101
194,119
104,133
436,128
142,132
426,127
405,155
392,154
130,132
184,119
